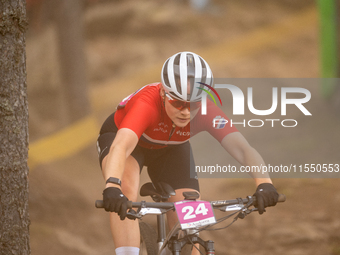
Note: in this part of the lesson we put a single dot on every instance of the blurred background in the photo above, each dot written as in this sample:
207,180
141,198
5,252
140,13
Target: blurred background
84,56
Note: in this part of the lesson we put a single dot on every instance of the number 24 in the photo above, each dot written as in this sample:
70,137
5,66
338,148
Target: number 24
201,209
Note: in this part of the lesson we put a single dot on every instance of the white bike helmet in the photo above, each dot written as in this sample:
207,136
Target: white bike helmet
178,69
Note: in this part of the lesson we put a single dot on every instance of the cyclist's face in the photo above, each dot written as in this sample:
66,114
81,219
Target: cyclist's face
180,118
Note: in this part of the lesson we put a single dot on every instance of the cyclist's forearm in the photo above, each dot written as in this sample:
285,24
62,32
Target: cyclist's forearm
237,146
121,148
253,158
114,165
259,181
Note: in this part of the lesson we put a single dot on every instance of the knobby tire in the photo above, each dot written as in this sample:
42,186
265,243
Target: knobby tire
148,239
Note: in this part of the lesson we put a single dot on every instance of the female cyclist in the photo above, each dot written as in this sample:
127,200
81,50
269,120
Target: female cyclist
152,128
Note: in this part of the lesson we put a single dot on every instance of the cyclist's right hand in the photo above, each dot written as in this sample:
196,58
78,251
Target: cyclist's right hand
115,201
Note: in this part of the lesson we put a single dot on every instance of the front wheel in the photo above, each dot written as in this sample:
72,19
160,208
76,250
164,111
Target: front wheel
148,239
186,250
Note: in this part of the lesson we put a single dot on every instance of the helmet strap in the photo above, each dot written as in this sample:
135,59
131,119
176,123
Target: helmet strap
162,94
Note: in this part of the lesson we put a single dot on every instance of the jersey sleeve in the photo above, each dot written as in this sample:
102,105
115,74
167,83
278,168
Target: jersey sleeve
138,117
215,122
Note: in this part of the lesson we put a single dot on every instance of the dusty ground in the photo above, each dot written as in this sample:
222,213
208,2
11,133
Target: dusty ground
125,38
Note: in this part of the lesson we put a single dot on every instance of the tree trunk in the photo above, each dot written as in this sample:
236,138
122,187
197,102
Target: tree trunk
14,218
69,23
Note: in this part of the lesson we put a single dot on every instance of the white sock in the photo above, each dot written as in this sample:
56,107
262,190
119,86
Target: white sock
127,250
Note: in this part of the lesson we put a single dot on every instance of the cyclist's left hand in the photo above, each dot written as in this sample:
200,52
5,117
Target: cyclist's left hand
266,195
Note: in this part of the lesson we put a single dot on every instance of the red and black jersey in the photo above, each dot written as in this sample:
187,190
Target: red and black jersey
143,112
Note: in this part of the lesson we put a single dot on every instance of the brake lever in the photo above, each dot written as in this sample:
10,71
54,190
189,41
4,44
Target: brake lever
246,211
133,215
249,211
256,209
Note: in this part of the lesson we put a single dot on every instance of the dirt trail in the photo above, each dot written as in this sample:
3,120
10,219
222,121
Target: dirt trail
125,37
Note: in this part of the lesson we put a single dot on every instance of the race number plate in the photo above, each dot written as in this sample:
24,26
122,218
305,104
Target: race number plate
194,214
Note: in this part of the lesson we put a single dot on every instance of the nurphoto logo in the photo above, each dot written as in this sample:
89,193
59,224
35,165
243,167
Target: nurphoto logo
219,122
208,92
278,102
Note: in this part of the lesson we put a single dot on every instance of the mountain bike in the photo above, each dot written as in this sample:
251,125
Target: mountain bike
194,217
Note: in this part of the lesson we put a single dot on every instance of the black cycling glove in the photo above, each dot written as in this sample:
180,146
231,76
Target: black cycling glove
115,201
266,195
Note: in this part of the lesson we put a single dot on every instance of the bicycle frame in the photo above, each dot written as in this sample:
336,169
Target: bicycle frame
172,240
161,231
176,244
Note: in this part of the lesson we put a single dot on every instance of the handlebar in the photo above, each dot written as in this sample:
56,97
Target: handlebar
219,203
130,204
170,205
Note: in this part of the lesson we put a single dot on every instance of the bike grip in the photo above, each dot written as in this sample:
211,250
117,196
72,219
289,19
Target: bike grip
99,204
129,204
282,198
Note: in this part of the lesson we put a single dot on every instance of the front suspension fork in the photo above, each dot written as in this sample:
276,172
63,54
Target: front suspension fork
176,246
